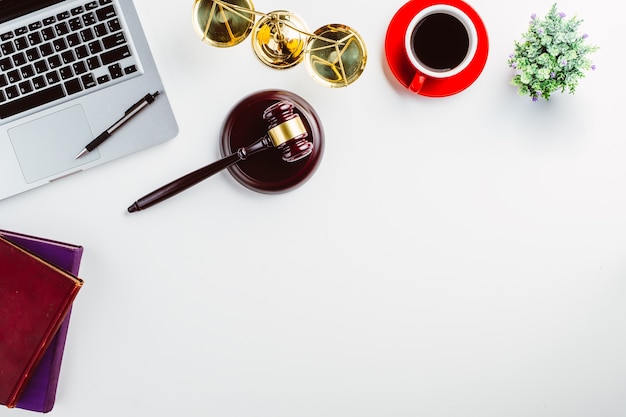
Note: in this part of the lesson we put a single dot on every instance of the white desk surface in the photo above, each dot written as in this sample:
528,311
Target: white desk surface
463,256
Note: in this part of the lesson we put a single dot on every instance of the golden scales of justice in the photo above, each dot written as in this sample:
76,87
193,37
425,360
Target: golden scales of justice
334,54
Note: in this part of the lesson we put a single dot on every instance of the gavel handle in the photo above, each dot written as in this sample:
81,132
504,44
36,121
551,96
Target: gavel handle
193,178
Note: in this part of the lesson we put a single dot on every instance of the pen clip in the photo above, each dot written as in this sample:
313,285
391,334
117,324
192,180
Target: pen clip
147,99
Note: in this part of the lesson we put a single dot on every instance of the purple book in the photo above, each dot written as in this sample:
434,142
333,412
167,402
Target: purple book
41,389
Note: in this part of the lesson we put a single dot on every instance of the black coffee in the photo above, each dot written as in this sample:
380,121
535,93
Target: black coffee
440,41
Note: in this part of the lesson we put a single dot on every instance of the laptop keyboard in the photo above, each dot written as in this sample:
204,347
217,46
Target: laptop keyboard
83,48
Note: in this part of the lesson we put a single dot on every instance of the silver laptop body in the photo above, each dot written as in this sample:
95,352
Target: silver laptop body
69,69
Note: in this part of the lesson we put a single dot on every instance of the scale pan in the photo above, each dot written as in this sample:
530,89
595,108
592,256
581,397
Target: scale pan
223,23
335,55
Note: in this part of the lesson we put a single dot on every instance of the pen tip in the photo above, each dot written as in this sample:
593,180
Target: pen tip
81,153
133,208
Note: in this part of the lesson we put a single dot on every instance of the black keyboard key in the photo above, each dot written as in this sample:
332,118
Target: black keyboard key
77,10
81,52
93,63
19,59
95,47
39,82
66,73
14,76
73,86
6,36
35,26
2,97
21,31
6,64
91,5
46,49
32,54
34,38
106,13
54,61
61,29
31,101
87,35
88,81
116,71
21,43
27,71
7,48
48,33
114,25
75,23
103,79
3,81
72,40
114,40
63,15
59,44
130,69
79,68
12,92
49,20
25,87
89,19
100,30
53,77
68,57
115,55
40,66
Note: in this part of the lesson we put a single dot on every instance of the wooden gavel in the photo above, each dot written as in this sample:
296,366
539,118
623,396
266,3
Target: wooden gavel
286,131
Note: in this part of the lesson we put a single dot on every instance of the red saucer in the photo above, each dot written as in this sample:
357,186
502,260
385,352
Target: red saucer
266,172
401,66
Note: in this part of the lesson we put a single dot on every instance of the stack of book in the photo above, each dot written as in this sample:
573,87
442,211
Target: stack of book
38,284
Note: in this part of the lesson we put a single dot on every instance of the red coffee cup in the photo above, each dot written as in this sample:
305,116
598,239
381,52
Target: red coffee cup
436,47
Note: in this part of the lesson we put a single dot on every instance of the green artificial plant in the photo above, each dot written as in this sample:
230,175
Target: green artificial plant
552,55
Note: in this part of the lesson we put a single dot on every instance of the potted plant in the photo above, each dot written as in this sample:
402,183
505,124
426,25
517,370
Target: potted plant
552,55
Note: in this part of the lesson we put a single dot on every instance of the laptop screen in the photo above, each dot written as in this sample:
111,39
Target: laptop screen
10,9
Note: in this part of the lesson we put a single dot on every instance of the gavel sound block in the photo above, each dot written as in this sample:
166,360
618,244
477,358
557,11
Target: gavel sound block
267,172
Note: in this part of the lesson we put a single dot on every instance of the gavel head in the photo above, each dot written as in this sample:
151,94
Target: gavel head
287,132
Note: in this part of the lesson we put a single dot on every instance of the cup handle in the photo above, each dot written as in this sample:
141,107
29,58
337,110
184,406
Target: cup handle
417,82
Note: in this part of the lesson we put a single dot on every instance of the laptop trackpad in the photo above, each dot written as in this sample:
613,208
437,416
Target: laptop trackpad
49,145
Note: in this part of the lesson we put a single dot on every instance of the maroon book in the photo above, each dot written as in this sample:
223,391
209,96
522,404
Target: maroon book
41,389
35,298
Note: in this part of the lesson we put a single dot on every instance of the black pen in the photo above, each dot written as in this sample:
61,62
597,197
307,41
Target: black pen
129,114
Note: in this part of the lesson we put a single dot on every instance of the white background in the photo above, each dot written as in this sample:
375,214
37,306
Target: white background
462,256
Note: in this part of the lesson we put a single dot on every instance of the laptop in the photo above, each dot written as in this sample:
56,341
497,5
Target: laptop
69,69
